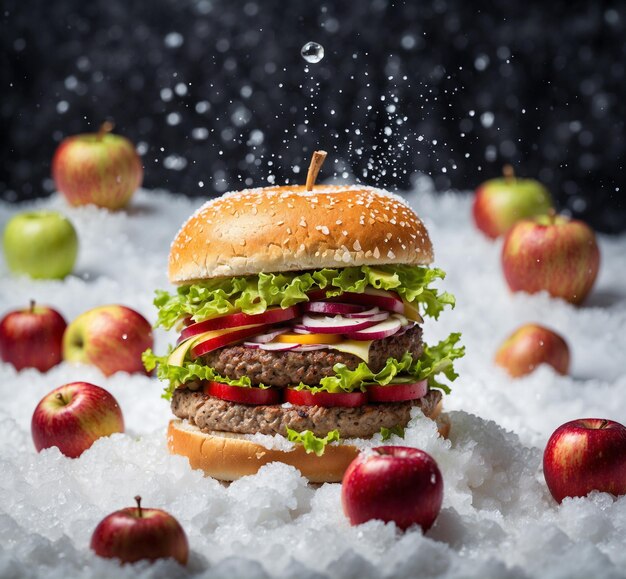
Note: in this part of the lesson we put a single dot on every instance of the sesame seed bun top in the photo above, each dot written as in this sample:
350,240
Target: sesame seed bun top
288,228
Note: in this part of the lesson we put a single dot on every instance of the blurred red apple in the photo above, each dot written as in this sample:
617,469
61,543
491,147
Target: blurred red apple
586,455
98,168
551,253
73,416
135,533
110,337
500,203
393,483
532,345
32,337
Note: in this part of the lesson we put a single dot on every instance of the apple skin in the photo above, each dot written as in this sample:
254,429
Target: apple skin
531,345
500,203
73,416
551,253
111,337
101,168
32,338
393,483
41,244
585,455
135,533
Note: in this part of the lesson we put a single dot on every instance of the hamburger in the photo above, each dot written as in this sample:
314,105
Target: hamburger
299,315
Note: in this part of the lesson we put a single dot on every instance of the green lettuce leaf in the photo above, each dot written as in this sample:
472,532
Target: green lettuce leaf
254,294
386,433
435,360
311,442
176,376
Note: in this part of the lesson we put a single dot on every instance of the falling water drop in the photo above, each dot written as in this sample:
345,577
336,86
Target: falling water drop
312,52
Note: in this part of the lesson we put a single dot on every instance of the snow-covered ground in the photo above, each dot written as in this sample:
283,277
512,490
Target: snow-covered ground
498,519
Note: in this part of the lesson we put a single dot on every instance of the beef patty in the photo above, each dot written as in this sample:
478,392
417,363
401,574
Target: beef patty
287,368
210,413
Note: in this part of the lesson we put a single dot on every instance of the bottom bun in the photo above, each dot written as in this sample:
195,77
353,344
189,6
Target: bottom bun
228,456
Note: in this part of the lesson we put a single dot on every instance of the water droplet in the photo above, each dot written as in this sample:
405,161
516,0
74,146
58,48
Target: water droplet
312,52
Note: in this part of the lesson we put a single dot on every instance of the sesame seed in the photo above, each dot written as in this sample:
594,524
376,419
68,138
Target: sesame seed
357,246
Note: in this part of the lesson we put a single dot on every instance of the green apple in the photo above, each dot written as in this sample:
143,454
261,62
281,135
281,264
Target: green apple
500,203
100,168
42,244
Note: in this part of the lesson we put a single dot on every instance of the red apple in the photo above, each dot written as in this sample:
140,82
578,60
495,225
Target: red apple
135,533
500,203
98,168
393,483
32,337
73,416
110,337
551,253
586,455
532,345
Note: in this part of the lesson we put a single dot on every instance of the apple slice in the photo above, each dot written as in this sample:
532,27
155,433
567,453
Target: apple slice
177,357
397,392
326,399
380,331
215,342
239,320
242,394
309,338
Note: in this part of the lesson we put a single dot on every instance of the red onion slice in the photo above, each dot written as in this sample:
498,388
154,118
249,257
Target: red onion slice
264,338
365,313
373,297
379,331
332,308
335,324
300,329
310,347
278,347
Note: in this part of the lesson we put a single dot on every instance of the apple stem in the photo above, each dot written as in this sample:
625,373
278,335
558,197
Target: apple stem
604,423
139,512
509,173
551,216
314,168
32,307
60,398
105,128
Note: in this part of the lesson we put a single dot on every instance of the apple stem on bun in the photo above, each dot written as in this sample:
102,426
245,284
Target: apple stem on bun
508,172
139,511
105,128
314,168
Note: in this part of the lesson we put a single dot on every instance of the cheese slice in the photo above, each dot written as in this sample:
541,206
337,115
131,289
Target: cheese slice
359,348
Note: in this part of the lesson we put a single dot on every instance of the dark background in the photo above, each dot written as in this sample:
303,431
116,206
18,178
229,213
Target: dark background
216,95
